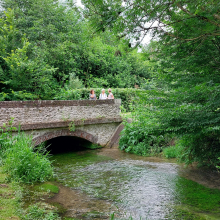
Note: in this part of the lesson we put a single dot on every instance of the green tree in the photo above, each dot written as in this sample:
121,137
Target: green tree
185,54
18,72
46,43
53,30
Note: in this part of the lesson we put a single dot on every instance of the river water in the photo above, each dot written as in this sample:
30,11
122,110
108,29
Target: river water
100,184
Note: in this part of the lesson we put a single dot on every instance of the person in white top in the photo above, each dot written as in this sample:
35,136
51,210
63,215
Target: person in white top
103,95
110,96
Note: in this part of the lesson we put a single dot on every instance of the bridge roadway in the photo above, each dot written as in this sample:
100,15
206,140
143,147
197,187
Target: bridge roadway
97,121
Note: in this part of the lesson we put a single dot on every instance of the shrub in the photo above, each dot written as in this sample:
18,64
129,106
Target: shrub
202,148
140,137
21,162
173,151
6,138
162,115
74,82
19,95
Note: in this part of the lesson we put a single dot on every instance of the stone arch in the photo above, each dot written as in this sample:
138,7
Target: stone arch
64,132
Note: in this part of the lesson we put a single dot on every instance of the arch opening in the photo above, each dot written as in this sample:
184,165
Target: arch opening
63,133
64,144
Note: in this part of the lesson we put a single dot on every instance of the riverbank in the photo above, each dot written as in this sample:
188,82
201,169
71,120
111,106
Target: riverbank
29,204
10,197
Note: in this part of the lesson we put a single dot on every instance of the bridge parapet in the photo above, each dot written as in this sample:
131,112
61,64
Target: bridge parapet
44,114
44,119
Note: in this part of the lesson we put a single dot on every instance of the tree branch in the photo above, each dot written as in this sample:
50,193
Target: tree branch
191,39
198,16
216,16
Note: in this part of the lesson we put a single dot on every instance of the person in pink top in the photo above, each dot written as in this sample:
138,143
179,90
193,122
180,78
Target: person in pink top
110,96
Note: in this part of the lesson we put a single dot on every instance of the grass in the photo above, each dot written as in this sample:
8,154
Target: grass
195,195
36,212
173,151
10,194
182,214
10,202
23,163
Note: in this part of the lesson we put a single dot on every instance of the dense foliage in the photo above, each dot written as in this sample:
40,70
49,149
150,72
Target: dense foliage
186,55
145,135
20,160
45,45
49,51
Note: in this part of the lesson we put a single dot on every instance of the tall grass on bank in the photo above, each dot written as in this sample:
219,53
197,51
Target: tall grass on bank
20,161
173,151
23,164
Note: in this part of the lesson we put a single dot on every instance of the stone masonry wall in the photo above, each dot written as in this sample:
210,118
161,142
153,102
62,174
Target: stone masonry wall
41,112
96,133
95,121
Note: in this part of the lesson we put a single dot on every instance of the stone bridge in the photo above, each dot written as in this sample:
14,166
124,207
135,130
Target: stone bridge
97,121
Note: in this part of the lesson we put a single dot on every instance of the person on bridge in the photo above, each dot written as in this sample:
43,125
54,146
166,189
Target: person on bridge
92,95
103,95
110,96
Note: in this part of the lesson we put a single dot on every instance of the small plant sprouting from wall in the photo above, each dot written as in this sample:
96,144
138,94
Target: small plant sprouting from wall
72,126
65,117
8,127
82,121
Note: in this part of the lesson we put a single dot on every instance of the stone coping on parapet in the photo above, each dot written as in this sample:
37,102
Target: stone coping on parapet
56,103
64,124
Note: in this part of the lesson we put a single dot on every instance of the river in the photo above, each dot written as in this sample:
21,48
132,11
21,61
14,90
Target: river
109,183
